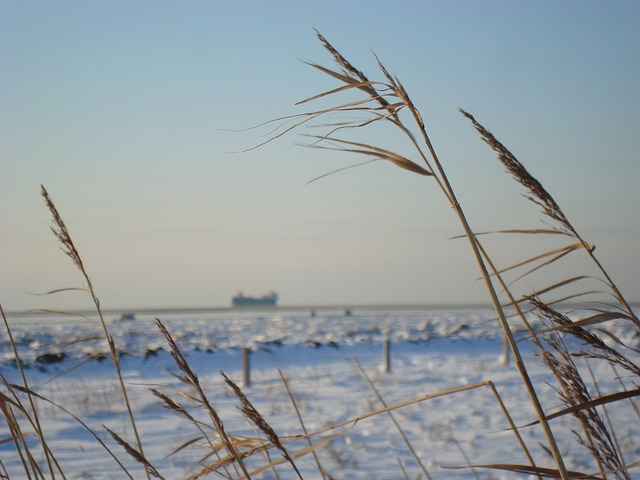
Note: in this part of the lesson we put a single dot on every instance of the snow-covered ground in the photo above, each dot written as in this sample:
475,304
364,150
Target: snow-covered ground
318,352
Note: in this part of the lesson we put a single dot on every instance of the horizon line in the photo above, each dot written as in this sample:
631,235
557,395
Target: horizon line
219,308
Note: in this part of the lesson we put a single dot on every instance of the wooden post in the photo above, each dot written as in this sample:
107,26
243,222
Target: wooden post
246,369
387,355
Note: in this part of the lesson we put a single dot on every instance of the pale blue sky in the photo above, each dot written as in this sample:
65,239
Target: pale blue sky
121,109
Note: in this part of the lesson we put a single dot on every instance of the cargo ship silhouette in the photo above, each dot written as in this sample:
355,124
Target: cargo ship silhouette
269,300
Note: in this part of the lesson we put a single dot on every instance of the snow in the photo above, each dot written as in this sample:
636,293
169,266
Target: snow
319,354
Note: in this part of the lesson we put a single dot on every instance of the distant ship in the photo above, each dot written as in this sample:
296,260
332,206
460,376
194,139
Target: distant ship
269,300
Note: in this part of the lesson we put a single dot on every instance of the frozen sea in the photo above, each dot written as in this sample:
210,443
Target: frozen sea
322,353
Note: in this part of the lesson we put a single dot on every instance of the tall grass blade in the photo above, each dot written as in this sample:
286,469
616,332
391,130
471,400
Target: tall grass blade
135,454
190,378
537,193
539,196
592,403
301,421
250,412
61,232
405,439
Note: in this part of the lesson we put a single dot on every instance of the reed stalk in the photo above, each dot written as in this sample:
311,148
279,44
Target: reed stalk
61,232
252,414
405,439
285,382
610,426
191,378
497,306
383,101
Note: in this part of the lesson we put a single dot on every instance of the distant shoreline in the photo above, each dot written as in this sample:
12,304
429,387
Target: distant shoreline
220,309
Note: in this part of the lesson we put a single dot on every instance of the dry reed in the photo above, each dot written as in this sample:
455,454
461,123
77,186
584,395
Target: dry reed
250,412
390,96
384,101
191,378
61,232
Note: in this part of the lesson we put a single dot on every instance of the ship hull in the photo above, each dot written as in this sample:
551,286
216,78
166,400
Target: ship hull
266,301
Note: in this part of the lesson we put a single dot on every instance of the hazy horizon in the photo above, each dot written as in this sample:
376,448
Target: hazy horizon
126,111
284,307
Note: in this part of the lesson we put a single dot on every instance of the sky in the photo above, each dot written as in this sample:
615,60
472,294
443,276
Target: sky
135,116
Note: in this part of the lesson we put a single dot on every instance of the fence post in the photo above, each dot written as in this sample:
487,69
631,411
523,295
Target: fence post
246,369
387,354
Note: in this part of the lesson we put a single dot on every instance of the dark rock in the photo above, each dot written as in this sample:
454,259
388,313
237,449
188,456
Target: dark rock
49,358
